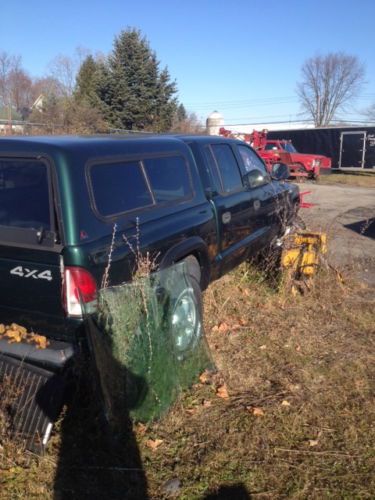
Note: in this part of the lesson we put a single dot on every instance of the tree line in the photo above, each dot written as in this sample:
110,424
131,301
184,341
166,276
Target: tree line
125,90
129,90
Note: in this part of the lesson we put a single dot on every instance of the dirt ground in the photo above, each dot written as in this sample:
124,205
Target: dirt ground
347,213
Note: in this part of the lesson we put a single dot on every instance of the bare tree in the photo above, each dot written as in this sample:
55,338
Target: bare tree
186,123
21,89
328,84
63,69
369,113
8,63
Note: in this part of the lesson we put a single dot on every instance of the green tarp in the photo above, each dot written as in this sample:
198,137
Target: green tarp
148,344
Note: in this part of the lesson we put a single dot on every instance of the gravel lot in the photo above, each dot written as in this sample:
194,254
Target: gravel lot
348,215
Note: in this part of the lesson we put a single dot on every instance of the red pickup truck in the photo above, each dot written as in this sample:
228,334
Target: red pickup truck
283,151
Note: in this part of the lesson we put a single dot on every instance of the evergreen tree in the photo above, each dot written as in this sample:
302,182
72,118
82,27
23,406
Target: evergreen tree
134,72
166,103
181,113
85,88
128,88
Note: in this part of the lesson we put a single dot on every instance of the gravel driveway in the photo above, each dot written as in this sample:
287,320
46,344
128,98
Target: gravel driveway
348,215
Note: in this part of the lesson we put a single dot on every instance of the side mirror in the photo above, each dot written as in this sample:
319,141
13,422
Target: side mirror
210,193
280,171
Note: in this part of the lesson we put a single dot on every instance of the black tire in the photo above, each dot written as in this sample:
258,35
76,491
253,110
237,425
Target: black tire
187,311
193,267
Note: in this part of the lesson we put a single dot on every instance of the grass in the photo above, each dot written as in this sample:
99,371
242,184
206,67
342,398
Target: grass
298,422
360,179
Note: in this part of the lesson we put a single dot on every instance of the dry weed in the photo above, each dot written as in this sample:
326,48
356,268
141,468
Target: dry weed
300,375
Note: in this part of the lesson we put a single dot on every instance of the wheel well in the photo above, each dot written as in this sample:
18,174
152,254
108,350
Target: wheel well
203,264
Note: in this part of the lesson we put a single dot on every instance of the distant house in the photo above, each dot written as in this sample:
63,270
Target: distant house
38,103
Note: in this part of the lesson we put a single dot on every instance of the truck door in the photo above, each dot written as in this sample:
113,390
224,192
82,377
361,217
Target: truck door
269,197
352,149
30,282
236,206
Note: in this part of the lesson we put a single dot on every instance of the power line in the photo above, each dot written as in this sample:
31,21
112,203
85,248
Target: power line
239,101
265,101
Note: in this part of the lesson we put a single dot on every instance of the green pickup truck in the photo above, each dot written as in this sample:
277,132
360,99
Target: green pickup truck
207,201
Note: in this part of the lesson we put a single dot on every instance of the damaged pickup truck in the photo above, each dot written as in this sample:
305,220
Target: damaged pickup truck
69,204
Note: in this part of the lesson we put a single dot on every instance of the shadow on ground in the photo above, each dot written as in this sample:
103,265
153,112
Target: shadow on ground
92,463
234,492
364,227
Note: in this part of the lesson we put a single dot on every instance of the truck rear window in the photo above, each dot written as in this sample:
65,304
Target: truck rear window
24,194
119,187
130,185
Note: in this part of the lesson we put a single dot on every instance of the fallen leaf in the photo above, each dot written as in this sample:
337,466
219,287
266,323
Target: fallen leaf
285,403
141,428
258,412
262,347
205,377
153,444
313,442
222,392
294,387
223,328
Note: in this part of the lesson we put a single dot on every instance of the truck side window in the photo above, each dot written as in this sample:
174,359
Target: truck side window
24,194
119,187
215,181
256,171
228,168
169,178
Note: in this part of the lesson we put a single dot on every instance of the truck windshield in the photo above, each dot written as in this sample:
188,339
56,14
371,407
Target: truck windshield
288,146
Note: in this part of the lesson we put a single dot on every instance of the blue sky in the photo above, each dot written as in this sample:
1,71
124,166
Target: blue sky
242,58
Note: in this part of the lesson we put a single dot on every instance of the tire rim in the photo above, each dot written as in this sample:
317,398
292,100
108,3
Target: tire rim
184,321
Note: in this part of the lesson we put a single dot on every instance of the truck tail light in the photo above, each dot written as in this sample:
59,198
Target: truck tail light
79,289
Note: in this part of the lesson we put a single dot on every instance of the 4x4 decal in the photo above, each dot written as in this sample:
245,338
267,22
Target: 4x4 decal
24,272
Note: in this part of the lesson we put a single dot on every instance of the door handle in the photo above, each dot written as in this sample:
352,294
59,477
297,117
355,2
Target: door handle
256,204
226,217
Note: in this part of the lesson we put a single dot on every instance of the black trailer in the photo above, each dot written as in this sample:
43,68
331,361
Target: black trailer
349,147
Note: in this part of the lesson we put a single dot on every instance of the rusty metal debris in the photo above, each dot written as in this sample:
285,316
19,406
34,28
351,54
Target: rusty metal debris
303,253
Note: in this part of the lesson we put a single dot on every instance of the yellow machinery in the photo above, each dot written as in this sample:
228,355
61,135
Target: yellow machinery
303,253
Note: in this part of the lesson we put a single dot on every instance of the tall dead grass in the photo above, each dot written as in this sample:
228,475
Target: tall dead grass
300,375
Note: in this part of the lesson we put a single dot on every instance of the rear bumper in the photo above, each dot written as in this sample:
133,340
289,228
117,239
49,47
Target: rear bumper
33,398
54,358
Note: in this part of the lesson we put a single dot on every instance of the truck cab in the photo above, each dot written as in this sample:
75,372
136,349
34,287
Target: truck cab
284,151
